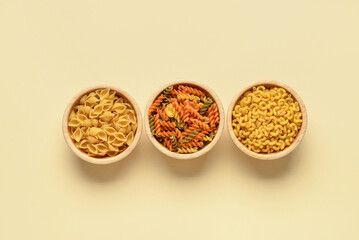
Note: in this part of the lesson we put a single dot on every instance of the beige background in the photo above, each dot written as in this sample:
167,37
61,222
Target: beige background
49,50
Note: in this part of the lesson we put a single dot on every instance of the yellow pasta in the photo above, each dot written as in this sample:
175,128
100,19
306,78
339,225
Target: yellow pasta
266,119
102,124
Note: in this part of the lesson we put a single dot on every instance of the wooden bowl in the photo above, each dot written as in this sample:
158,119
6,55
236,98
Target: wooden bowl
101,160
201,152
285,151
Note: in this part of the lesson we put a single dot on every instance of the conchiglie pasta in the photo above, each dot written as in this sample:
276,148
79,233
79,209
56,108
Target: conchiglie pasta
72,115
74,122
102,124
129,138
266,119
119,108
92,139
77,135
123,122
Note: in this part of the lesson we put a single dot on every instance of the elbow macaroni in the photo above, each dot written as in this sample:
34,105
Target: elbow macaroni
102,124
266,119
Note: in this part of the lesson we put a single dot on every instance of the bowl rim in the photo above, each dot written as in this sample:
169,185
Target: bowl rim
287,150
105,160
207,148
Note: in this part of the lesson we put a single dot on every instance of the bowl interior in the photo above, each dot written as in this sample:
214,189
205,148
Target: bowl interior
106,159
287,150
208,147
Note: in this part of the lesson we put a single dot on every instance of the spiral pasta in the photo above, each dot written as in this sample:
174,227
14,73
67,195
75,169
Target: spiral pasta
174,142
102,124
184,119
187,150
266,119
167,91
206,104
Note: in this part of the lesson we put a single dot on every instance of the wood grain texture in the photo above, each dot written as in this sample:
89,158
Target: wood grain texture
207,148
285,151
101,160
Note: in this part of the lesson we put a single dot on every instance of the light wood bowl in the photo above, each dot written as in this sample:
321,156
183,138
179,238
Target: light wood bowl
208,147
285,151
101,160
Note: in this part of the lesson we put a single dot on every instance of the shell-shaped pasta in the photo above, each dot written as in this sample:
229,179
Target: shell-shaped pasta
86,123
83,99
104,94
86,110
81,117
77,135
120,136
129,138
83,144
122,130
133,127
132,117
102,147
97,92
112,148
74,122
72,130
122,148
85,131
98,109
101,154
102,135
115,118
129,110
92,94
128,106
102,123
80,110
92,100
119,108
107,106
119,100
93,115
128,129
107,116
92,149
72,115
112,95
94,122
94,131
92,140
77,144
123,122
117,127
112,153
117,143
106,101
109,130
111,139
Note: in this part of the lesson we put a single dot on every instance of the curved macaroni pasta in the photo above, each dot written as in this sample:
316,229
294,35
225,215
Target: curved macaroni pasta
266,119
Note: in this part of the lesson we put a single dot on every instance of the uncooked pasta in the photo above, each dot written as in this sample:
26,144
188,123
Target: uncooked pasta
184,119
266,119
102,123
